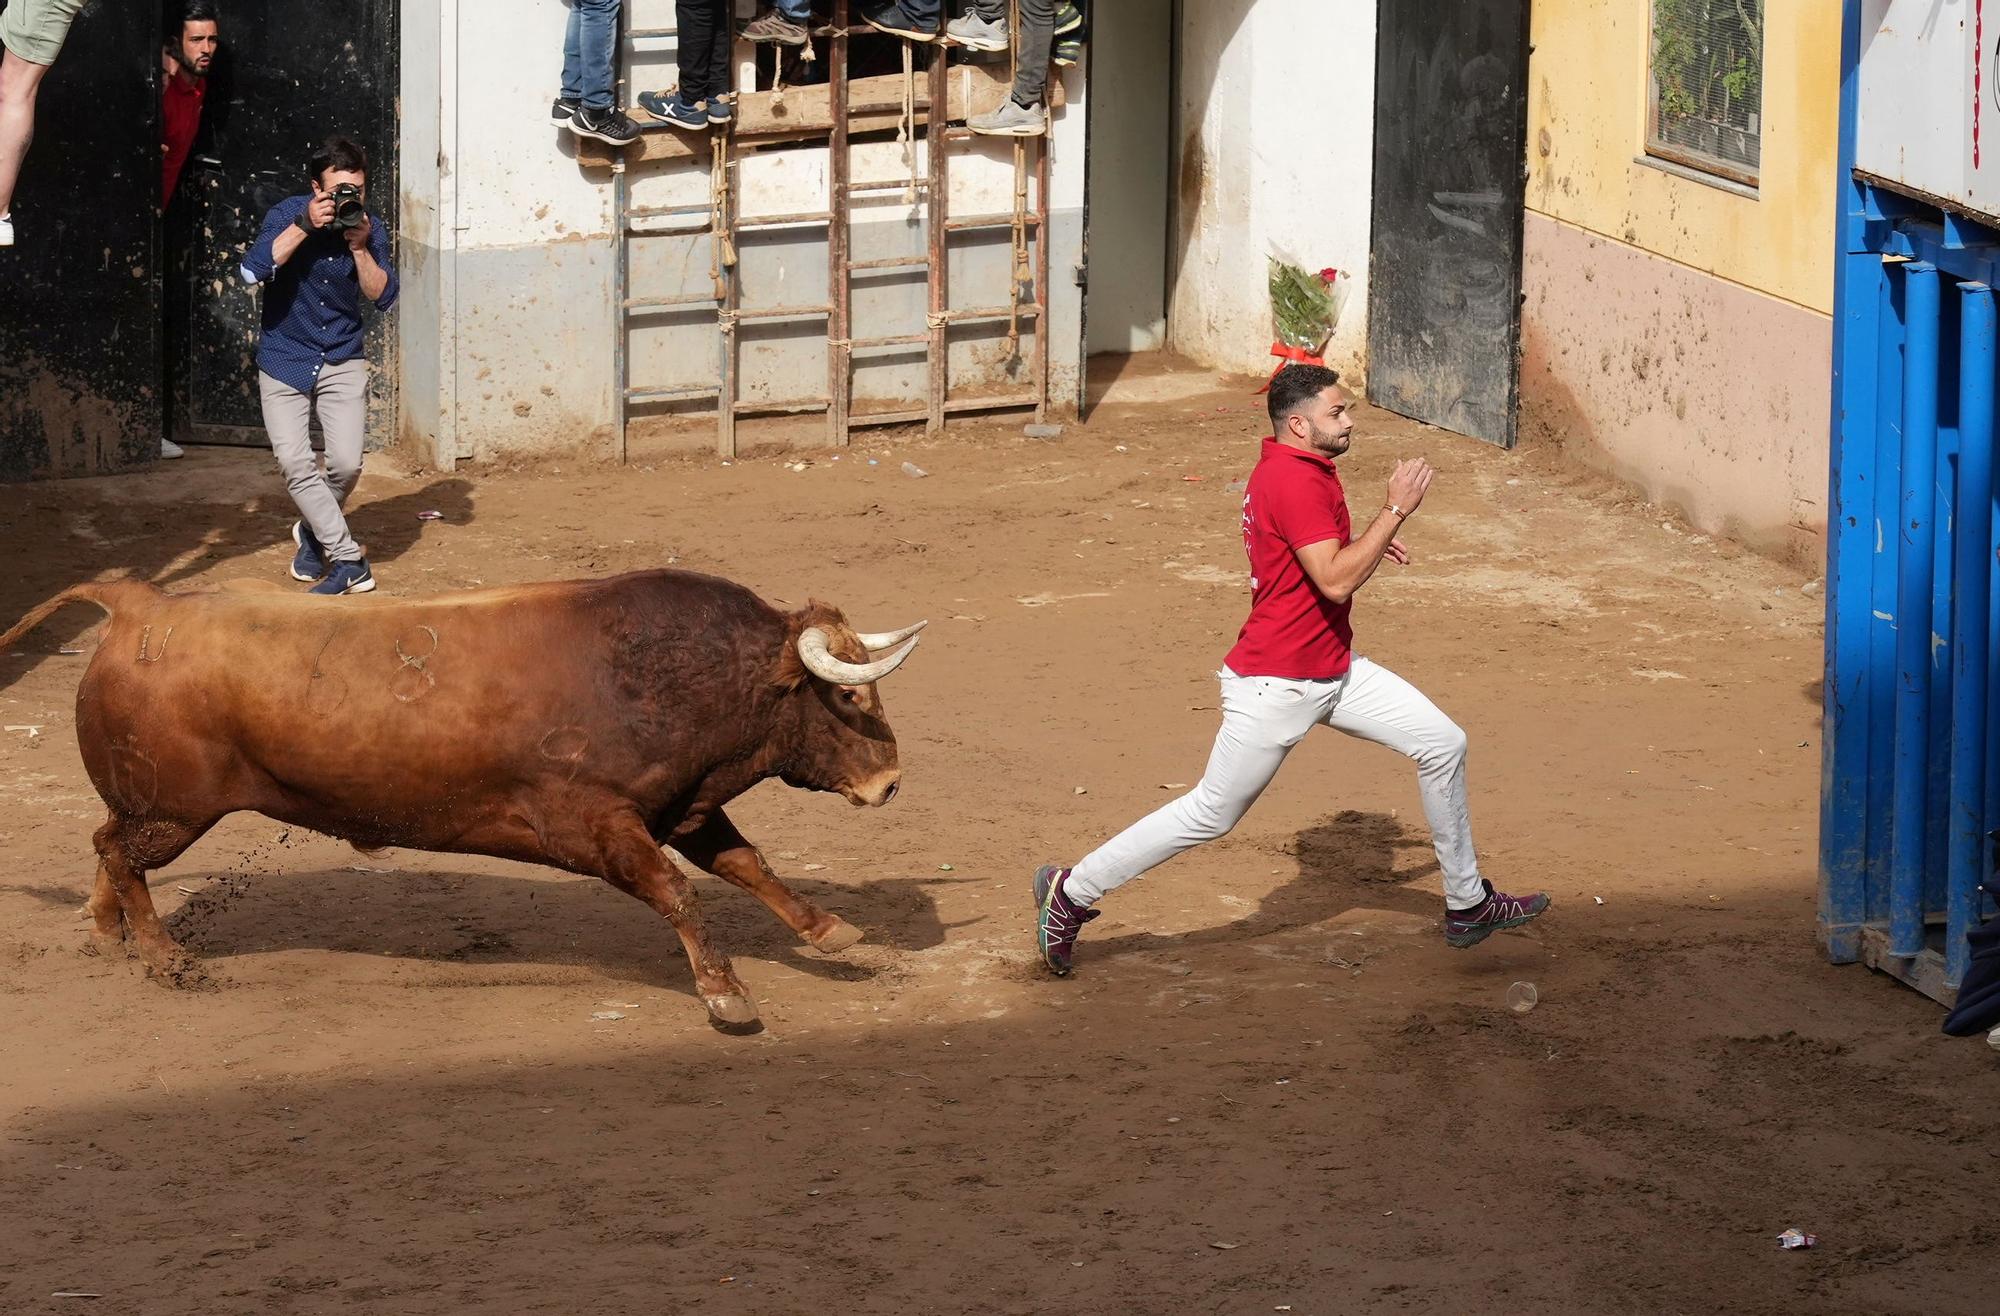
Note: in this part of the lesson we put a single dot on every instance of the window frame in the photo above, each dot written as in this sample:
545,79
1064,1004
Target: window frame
1713,166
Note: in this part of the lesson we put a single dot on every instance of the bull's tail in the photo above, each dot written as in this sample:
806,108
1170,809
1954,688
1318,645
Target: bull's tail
105,594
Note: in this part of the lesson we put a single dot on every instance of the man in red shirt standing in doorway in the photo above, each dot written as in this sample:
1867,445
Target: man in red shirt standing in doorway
1294,668
188,55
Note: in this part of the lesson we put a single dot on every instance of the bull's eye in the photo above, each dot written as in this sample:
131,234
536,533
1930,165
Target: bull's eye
849,695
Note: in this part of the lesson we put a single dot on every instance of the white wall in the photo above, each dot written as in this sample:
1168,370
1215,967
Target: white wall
1277,128
514,329
1131,163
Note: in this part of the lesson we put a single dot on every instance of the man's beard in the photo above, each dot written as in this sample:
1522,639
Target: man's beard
1328,442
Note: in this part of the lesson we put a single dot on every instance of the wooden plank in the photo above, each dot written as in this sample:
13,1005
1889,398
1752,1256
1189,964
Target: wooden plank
875,106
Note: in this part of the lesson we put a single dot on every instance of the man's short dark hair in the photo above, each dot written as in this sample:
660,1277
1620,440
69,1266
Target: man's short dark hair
337,152
1294,386
189,11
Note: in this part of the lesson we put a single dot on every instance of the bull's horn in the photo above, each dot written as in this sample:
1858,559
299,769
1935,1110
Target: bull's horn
876,643
813,653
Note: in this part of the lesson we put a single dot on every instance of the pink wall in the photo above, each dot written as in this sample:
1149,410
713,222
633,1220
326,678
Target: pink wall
1705,395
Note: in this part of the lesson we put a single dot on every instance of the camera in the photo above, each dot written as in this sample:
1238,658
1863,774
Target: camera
348,212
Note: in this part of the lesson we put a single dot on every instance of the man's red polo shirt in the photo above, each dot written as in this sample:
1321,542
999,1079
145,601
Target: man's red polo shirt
180,119
1293,499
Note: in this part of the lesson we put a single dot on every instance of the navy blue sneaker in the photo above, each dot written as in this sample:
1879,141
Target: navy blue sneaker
721,110
890,16
346,578
309,563
672,109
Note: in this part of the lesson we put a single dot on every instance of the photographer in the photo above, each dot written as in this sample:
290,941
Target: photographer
318,255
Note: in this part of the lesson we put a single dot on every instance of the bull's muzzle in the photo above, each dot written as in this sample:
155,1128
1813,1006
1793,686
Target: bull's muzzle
874,794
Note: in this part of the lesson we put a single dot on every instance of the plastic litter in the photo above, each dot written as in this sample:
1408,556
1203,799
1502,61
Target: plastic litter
914,471
1522,997
431,514
1793,1240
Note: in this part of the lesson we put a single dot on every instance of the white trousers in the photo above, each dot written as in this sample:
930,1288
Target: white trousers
1262,718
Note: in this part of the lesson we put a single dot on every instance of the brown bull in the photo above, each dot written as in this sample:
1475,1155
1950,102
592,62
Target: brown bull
582,725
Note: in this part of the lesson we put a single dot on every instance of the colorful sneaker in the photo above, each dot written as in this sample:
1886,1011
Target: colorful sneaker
562,110
1057,921
977,32
774,27
309,563
346,578
1066,52
890,16
1068,17
668,107
1469,927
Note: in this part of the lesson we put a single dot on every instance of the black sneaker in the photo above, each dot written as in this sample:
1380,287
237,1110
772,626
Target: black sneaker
890,16
562,111
606,125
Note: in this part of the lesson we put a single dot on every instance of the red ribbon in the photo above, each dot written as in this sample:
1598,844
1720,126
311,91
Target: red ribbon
1288,355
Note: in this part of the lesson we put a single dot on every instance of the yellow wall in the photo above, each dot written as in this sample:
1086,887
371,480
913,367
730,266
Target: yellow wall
1587,134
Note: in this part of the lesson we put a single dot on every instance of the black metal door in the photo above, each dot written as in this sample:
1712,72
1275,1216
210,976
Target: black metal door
79,290
291,72
1444,283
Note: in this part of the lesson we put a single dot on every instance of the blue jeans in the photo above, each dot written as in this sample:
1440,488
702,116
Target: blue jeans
796,10
589,52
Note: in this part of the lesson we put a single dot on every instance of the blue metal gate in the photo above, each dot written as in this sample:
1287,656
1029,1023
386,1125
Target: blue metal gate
1910,787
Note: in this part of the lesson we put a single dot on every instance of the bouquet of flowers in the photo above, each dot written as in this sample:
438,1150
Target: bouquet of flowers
1304,311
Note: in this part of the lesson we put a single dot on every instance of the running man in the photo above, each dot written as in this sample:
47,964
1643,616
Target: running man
1293,668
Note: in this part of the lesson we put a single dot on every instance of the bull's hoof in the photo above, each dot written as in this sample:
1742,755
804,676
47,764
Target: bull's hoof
838,936
111,945
171,966
733,1013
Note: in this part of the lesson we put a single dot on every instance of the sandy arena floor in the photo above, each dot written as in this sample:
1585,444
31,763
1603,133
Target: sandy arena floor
1269,1087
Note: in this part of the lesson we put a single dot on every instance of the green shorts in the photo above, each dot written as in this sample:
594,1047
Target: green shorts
34,29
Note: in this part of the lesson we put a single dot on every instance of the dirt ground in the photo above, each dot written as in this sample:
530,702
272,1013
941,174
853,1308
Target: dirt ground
1268,1087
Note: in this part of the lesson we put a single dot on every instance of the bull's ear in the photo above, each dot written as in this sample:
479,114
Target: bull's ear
788,671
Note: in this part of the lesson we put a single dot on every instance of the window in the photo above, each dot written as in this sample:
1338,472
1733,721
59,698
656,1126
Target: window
1707,94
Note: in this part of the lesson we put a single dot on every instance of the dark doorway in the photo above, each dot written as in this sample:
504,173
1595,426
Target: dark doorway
1444,290
79,290
289,75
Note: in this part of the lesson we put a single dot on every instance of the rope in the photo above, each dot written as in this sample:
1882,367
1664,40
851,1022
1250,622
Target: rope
906,126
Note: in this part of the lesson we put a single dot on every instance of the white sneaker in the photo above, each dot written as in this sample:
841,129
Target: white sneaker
7,230
170,450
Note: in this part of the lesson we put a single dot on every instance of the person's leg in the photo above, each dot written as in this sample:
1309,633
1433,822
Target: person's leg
20,80
288,421
699,32
31,36
572,67
1031,69
1262,718
341,397
1377,705
596,24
